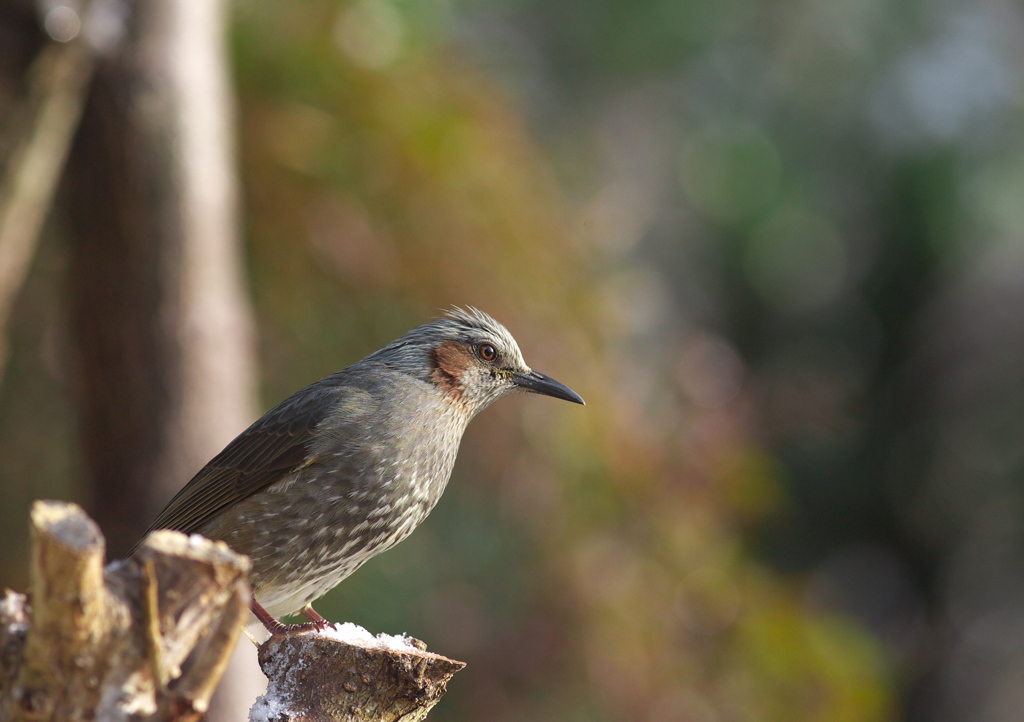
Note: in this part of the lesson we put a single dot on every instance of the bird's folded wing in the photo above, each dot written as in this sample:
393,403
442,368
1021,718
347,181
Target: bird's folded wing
273,447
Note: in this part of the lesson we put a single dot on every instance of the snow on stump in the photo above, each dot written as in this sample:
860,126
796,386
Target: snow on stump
345,674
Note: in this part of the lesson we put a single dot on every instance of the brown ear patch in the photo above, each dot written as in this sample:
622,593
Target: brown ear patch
450,359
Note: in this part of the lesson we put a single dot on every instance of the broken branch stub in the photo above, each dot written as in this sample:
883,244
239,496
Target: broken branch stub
95,643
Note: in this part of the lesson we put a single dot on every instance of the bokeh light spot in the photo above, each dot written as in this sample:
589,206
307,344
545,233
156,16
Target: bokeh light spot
370,32
62,24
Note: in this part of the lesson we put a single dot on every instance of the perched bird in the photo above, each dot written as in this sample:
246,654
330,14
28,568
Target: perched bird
347,467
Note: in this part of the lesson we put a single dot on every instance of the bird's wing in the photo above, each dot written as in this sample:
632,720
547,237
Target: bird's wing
274,446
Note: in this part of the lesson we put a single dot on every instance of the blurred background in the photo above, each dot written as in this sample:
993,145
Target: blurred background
777,246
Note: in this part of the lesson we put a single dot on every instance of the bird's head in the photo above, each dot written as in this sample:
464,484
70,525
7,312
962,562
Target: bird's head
472,359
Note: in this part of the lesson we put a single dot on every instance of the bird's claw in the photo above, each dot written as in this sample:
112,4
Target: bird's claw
280,629
316,622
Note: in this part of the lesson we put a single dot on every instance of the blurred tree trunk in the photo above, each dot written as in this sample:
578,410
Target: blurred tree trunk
162,327
161,324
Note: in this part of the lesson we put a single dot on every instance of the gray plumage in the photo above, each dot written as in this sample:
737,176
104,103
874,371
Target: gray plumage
347,467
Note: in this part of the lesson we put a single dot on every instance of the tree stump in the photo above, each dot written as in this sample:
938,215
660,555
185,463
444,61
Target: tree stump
344,674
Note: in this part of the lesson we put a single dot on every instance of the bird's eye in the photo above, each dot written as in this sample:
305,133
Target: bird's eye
486,352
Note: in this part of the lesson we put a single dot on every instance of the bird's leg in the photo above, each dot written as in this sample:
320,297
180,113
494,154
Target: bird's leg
314,617
277,628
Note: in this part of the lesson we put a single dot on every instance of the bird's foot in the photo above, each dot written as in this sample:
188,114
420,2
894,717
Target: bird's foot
280,629
314,617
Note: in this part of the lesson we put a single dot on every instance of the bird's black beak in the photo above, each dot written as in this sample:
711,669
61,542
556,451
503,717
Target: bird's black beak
541,384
